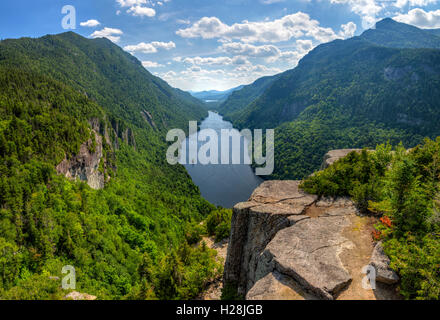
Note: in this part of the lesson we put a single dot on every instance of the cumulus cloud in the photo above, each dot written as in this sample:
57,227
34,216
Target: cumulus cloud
304,46
142,11
90,23
366,9
414,3
420,18
130,3
138,8
151,64
270,53
369,10
245,49
290,26
348,30
151,47
196,77
110,33
220,61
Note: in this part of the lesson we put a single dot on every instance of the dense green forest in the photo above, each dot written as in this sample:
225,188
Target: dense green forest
383,85
137,237
402,188
241,98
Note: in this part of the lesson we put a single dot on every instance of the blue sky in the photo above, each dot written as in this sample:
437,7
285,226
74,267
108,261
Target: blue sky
214,44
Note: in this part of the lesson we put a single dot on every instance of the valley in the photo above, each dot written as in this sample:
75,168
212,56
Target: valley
85,180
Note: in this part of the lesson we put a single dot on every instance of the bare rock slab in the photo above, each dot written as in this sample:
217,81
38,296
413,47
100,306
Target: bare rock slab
308,252
276,286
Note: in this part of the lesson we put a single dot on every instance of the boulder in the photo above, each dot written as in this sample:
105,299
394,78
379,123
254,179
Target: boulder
381,262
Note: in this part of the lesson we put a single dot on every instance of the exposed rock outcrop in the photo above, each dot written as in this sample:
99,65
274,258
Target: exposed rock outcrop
287,244
149,118
334,155
273,206
112,130
85,165
381,262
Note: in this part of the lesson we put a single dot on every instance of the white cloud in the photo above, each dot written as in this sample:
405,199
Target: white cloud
183,21
208,61
198,78
130,3
90,23
220,61
304,46
151,64
414,3
348,30
151,47
270,53
245,49
142,11
290,26
109,33
368,10
137,8
420,18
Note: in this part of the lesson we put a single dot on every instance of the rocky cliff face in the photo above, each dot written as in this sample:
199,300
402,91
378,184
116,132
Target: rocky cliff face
287,244
85,165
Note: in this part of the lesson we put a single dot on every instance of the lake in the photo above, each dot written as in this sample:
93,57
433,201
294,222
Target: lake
223,184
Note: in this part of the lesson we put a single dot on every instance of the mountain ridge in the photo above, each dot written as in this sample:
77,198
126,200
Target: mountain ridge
349,93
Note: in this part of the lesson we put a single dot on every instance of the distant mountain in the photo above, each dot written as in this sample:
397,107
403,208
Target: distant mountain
214,95
390,33
383,85
239,99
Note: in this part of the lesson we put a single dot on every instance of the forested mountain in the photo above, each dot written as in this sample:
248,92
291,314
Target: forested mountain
351,93
107,74
64,97
241,98
390,33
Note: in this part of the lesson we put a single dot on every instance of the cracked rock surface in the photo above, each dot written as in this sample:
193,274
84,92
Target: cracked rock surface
287,244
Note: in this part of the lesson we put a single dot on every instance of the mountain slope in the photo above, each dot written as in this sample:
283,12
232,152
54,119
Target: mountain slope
112,77
67,97
349,93
241,98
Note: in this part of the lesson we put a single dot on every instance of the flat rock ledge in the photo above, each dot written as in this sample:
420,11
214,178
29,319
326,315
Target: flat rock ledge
285,244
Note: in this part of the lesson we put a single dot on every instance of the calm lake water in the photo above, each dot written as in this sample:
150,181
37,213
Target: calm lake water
223,184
